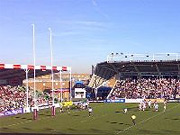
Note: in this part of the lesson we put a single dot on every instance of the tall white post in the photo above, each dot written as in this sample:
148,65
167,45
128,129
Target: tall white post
70,83
27,88
52,78
34,56
60,82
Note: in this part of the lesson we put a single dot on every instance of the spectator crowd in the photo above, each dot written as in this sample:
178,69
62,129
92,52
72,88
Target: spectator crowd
168,88
11,97
14,97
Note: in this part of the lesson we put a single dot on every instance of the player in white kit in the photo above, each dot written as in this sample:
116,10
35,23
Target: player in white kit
90,111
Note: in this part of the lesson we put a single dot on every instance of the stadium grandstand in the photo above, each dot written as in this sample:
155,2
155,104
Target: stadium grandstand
16,96
136,81
139,75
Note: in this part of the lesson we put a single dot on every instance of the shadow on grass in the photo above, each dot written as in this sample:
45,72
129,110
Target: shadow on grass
128,124
172,119
5,128
175,119
113,122
75,115
134,109
118,112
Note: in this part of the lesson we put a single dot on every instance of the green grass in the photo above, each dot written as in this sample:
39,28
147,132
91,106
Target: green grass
106,119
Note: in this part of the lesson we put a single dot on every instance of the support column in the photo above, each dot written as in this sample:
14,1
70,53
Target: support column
27,109
60,82
70,87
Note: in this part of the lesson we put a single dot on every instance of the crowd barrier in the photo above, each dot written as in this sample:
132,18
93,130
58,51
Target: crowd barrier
96,101
26,110
174,101
123,100
133,100
114,101
45,106
12,112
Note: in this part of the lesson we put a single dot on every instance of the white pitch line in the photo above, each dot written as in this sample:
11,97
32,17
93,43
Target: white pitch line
146,120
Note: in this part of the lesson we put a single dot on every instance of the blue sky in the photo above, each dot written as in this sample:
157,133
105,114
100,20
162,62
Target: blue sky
86,31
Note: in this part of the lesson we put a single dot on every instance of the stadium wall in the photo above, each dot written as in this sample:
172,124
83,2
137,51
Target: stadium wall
12,112
123,100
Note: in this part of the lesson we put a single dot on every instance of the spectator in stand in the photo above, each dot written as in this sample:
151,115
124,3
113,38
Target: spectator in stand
146,88
14,97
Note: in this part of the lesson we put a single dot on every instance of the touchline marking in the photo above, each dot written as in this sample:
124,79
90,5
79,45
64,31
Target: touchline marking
146,120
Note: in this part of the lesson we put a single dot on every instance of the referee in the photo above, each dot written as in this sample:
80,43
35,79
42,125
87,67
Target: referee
133,117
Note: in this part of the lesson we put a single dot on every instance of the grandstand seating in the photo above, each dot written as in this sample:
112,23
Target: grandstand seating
146,88
11,97
96,80
14,97
127,69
